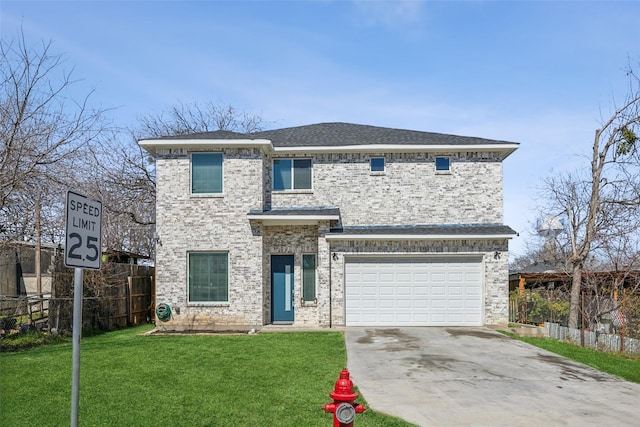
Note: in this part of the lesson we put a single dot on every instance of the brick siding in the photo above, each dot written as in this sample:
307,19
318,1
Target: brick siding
408,192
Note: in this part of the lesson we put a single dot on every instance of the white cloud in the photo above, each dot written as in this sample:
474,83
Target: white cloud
394,15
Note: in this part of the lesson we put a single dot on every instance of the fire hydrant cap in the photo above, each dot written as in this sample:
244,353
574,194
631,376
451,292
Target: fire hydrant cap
344,388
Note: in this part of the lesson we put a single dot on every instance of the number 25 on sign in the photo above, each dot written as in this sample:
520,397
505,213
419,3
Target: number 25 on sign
83,237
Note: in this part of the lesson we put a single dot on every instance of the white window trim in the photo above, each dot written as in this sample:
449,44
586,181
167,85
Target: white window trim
205,195
291,190
209,303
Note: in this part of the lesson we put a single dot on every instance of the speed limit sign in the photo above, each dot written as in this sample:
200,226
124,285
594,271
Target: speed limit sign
83,241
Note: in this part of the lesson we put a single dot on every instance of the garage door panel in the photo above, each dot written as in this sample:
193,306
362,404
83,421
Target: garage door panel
404,290
421,303
455,277
369,303
404,277
368,290
438,291
438,277
386,290
386,303
413,292
455,304
473,291
369,277
438,318
455,318
455,291
404,303
386,317
438,304
422,289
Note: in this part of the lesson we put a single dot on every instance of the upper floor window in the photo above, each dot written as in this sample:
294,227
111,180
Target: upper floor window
292,174
206,173
376,164
443,164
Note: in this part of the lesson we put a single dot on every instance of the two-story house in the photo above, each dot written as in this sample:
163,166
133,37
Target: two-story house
330,224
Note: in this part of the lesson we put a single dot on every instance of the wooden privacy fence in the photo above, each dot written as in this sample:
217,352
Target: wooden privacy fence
116,296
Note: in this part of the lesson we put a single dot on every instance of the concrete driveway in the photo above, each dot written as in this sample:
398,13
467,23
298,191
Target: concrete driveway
478,377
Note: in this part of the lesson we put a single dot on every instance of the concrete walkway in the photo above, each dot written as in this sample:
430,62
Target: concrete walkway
478,377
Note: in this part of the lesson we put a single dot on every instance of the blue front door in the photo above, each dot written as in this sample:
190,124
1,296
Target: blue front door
282,288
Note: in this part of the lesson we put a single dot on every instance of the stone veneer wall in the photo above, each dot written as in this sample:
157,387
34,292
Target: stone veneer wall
297,241
408,192
188,222
494,255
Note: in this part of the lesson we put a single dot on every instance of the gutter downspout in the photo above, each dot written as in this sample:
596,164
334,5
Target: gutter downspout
330,303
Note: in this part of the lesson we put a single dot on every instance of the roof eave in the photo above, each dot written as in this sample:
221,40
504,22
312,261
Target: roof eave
292,219
358,236
153,145
401,148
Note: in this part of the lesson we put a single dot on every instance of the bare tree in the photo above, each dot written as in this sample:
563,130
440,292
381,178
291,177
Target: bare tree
184,119
603,196
42,131
125,180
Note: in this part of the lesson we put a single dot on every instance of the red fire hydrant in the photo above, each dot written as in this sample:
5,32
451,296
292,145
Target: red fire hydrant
344,408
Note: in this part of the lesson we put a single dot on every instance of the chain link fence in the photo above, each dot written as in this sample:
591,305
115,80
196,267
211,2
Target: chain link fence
613,312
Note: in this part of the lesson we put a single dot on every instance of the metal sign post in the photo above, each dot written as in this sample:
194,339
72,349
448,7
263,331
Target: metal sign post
77,335
83,249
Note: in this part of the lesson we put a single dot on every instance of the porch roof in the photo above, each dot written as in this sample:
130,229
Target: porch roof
423,232
295,215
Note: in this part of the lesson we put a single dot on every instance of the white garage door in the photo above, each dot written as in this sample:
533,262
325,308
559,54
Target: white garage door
413,292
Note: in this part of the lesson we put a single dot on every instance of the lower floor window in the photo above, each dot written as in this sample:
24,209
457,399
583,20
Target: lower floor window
208,276
309,277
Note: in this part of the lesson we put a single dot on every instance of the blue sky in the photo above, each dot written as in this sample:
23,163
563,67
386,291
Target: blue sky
541,73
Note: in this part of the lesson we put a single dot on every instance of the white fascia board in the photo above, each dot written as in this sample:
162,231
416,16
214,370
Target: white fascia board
399,148
418,236
154,144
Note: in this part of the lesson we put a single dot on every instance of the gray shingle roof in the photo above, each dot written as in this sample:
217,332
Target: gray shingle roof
344,134
538,267
341,134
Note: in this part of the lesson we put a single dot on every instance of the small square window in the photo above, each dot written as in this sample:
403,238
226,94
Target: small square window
443,164
377,164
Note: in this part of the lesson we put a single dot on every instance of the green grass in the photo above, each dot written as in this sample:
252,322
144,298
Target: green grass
625,366
268,379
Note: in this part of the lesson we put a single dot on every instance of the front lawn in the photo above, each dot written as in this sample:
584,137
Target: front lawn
625,366
268,379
